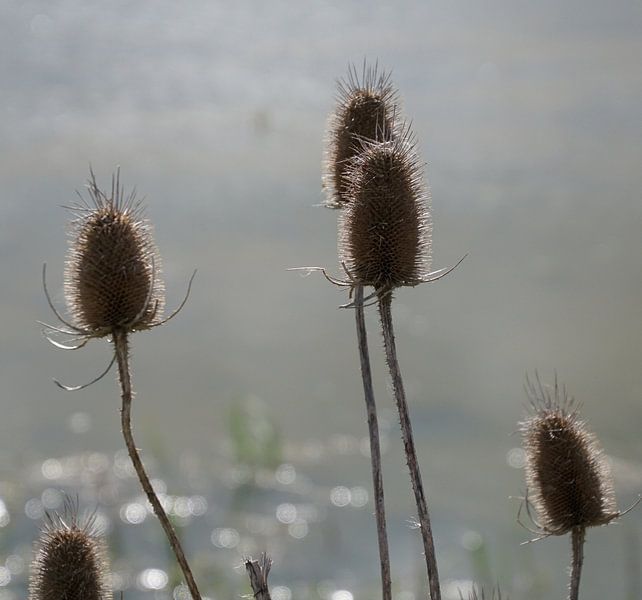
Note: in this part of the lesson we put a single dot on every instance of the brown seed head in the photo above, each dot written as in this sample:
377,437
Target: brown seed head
568,476
384,229
365,110
70,561
112,271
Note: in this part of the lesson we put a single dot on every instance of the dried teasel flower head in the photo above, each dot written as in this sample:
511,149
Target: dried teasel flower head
112,272
70,559
567,473
384,229
365,110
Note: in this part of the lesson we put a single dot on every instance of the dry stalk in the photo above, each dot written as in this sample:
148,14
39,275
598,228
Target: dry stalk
375,448
258,571
121,347
385,301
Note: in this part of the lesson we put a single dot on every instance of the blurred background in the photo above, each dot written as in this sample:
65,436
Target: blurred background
249,407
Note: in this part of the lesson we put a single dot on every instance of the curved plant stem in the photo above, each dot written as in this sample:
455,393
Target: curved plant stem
121,348
385,301
375,449
578,535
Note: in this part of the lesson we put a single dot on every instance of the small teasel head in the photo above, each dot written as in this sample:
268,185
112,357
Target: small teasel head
384,229
365,110
567,474
70,560
112,272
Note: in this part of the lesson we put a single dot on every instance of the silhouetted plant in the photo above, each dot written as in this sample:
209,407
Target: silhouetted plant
366,109
70,559
568,477
113,288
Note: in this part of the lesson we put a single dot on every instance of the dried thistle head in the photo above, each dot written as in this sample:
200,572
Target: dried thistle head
70,560
567,473
384,229
111,275
365,110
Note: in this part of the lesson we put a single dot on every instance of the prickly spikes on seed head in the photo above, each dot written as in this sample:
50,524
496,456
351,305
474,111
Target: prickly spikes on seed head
384,229
365,110
70,560
112,275
567,474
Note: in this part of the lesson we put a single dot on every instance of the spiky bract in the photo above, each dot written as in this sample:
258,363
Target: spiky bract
112,271
384,230
70,561
365,110
567,473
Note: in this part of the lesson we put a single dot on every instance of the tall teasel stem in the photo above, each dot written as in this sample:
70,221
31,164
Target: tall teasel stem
375,448
385,303
577,544
365,110
121,347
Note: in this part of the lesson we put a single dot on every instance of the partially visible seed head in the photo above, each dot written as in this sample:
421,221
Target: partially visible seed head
70,561
567,473
365,110
384,229
112,273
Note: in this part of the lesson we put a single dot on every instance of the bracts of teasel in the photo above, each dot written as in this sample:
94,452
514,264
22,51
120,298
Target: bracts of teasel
384,241
567,474
113,288
70,560
366,109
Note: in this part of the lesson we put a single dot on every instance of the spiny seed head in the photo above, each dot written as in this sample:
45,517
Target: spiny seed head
384,229
112,271
567,473
70,561
365,110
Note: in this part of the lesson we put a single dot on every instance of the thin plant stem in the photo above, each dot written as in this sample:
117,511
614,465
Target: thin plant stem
375,448
578,535
121,348
385,302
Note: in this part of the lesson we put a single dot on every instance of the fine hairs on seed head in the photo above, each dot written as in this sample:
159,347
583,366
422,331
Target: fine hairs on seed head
112,272
366,108
384,230
70,559
567,474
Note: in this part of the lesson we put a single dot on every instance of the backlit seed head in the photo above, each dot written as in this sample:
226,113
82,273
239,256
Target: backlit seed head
567,473
70,561
112,272
384,229
365,110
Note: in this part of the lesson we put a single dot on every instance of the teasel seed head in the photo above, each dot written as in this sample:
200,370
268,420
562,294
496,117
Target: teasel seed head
366,108
567,474
384,229
70,561
112,272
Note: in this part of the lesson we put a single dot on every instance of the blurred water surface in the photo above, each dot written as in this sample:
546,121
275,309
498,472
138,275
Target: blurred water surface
528,115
